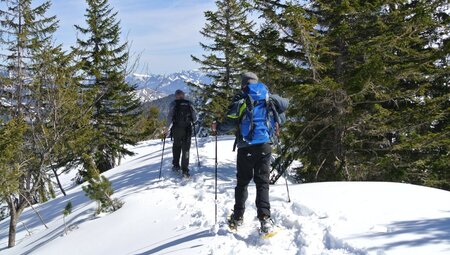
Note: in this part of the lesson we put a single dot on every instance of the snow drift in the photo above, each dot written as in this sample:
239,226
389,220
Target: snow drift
176,216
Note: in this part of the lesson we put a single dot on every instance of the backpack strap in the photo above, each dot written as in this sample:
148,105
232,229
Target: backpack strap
271,107
175,109
250,107
242,107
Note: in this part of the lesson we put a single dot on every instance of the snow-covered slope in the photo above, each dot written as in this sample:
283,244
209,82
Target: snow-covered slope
151,87
175,216
148,95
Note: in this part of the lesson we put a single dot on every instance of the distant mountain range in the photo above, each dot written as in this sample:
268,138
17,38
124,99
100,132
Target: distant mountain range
155,86
151,87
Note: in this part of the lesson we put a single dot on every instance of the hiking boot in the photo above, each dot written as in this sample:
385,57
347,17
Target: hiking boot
186,174
176,168
267,225
234,223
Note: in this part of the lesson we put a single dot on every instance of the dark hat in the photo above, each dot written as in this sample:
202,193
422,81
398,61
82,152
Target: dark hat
249,77
178,92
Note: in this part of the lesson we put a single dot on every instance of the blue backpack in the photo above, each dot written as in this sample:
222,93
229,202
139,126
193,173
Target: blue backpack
259,118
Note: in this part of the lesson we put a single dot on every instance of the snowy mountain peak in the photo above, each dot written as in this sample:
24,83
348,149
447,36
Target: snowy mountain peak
153,86
148,95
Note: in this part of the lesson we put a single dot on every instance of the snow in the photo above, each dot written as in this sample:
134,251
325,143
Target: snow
141,76
169,83
5,102
176,216
148,95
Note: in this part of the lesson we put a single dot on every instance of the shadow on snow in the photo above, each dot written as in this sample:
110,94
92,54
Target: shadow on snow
128,181
172,244
429,232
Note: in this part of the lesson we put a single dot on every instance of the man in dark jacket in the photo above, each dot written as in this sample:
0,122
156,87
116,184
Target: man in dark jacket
253,160
181,116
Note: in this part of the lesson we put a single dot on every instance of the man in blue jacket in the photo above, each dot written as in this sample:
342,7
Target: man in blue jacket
254,138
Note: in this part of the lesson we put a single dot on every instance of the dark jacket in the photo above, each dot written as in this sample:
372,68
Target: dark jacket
170,116
231,121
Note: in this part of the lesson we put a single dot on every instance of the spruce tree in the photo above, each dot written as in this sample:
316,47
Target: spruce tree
99,188
370,106
26,35
275,52
284,47
66,212
415,111
17,34
58,117
227,32
42,93
104,60
288,43
52,95
13,177
148,125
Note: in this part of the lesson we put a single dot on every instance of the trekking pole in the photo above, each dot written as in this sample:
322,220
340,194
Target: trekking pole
215,199
195,135
162,156
285,174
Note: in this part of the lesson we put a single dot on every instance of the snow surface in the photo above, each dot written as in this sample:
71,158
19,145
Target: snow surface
176,216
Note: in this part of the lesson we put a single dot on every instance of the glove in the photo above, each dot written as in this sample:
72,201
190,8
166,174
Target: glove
214,128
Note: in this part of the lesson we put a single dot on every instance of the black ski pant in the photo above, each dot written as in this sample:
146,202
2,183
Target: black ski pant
253,163
181,145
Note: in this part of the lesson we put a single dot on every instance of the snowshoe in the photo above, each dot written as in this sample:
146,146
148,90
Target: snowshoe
268,228
233,223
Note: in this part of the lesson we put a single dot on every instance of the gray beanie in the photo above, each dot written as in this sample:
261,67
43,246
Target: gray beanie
249,77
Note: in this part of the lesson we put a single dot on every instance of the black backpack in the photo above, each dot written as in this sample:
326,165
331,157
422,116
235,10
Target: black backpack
182,115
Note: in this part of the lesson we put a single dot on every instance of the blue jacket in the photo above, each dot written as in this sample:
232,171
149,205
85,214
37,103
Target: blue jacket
235,110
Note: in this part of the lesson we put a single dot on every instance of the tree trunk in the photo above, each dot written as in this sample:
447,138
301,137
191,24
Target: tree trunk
25,226
35,211
59,182
14,216
65,225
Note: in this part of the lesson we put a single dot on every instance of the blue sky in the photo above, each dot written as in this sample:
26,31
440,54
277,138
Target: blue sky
164,32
